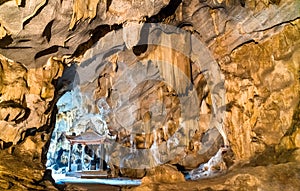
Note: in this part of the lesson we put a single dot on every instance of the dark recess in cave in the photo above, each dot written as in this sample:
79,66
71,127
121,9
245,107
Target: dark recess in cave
36,13
47,51
7,40
95,34
164,12
47,31
143,42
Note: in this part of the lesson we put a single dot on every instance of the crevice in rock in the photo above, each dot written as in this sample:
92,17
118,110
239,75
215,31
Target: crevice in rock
143,42
242,44
47,51
23,40
28,132
164,12
13,104
47,31
4,145
7,40
95,35
108,3
37,11
24,117
23,3
274,26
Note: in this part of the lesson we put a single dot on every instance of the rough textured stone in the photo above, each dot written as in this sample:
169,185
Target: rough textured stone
40,29
26,96
256,46
264,92
158,174
272,177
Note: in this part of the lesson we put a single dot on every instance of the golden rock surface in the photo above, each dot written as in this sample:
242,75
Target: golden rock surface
256,46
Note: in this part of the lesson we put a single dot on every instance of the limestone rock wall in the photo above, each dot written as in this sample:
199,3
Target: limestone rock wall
26,121
264,91
256,46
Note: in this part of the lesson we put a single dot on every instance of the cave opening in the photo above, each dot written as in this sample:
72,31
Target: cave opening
124,114
77,151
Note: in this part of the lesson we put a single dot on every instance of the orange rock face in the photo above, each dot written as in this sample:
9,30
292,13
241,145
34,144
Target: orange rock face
225,73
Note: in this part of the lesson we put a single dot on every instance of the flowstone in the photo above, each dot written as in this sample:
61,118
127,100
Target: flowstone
149,103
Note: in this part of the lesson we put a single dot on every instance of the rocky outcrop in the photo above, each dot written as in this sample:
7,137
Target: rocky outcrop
26,121
268,91
40,29
248,178
164,107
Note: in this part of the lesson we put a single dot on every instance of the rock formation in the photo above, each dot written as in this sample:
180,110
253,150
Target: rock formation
214,72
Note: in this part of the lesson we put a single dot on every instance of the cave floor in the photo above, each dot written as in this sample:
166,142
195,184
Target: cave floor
91,187
284,176
91,184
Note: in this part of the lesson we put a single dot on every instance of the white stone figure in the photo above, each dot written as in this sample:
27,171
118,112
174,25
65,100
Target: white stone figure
215,166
